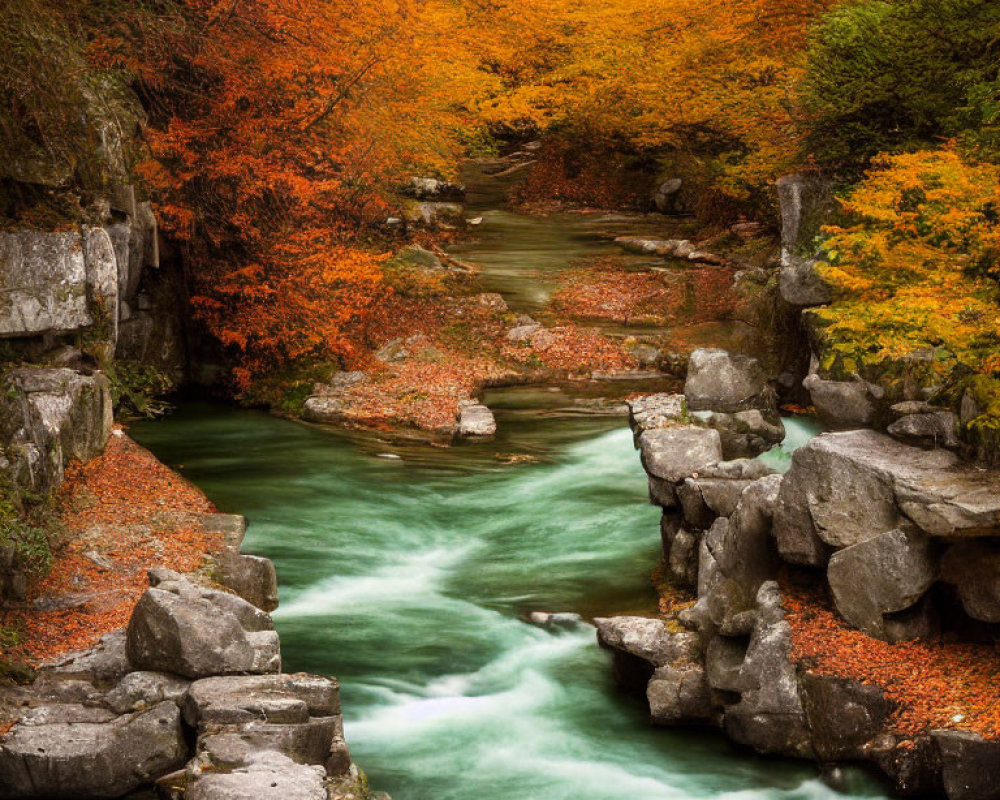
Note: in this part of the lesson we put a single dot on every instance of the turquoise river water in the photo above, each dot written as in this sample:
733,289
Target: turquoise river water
408,571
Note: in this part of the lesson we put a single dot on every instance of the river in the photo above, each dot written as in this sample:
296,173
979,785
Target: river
408,572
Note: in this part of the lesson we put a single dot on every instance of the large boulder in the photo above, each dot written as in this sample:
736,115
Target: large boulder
79,755
433,189
475,420
671,454
195,632
846,487
881,575
233,700
745,434
718,381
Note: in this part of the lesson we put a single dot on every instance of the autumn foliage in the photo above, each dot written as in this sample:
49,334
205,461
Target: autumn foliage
275,129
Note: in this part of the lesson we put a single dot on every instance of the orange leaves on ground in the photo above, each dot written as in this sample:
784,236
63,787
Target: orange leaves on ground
609,291
932,684
125,512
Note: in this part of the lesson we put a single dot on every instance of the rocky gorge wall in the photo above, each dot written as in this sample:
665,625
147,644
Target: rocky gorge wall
898,543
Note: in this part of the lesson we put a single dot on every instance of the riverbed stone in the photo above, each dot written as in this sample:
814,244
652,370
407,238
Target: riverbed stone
475,419
671,454
745,434
724,383
434,215
433,189
91,759
648,639
886,573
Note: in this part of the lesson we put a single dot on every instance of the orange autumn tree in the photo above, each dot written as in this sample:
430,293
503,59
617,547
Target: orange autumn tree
275,128
918,270
710,83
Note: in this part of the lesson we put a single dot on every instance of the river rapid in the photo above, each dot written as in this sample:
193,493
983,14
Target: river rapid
409,572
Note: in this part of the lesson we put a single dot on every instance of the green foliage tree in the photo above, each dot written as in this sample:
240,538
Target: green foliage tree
899,75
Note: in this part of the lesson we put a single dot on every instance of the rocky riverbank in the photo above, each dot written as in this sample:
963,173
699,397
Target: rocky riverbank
844,611
188,698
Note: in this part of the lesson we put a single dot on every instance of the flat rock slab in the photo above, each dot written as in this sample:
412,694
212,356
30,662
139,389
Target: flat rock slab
272,776
91,759
671,454
273,698
648,639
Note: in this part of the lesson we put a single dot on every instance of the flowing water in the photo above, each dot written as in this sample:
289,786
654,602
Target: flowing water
409,572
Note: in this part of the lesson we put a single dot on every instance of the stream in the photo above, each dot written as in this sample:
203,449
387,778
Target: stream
409,572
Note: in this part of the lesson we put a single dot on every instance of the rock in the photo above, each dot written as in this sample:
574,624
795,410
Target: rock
306,742
743,554
671,454
91,759
44,276
723,660
806,203
800,283
745,434
521,334
324,410
666,195
140,690
49,417
718,381
832,496
973,568
196,632
475,419
434,215
937,429
770,717
561,619
882,574
647,639
252,577
843,715
235,700
843,404
432,189
845,487
415,256
970,766
103,664
683,558
679,694
655,411
270,776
